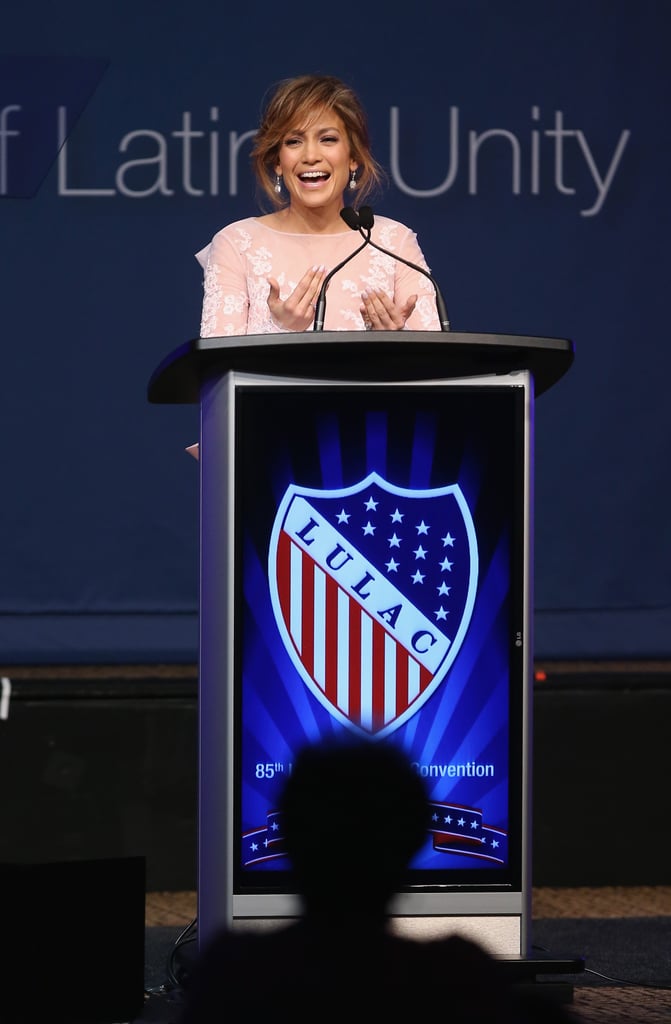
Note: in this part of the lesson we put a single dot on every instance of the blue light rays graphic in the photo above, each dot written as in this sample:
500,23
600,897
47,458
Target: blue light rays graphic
423,447
377,443
330,450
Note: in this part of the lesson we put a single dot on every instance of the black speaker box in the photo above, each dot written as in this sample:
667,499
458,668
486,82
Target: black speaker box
72,941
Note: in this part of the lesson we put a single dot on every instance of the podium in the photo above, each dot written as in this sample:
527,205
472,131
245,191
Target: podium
366,565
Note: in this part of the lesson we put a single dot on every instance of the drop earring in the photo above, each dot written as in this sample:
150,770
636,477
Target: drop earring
278,183
353,183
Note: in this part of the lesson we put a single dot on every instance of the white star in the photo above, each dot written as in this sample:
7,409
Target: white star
392,566
434,816
343,517
460,821
495,844
446,566
474,824
394,541
397,517
448,819
440,614
443,589
418,577
419,552
368,529
274,826
254,847
422,527
448,540
371,504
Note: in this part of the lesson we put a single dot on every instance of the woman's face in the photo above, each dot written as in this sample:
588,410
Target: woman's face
315,161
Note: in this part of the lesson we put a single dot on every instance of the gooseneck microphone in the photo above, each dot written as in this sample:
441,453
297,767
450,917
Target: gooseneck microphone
353,219
363,222
320,305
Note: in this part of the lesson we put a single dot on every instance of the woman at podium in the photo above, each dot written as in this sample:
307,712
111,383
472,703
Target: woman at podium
268,274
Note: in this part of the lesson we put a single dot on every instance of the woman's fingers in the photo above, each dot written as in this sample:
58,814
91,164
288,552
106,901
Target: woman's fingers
296,312
381,313
308,288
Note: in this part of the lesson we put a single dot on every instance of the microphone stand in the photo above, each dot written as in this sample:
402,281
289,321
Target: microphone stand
320,305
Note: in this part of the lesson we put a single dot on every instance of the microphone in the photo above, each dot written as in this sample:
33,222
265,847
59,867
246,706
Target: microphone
366,220
353,220
320,305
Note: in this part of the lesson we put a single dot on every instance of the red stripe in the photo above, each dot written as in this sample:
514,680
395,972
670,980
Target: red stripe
378,676
354,662
283,574
331,638
308,613
401,677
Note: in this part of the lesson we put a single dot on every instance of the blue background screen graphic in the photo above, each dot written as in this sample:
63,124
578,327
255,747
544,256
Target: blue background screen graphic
327,439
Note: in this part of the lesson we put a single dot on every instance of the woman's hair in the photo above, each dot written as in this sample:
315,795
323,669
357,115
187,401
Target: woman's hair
293,102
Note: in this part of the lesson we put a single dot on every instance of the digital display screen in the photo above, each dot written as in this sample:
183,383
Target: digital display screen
380,589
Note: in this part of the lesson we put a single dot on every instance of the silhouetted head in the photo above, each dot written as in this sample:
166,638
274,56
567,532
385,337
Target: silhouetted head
354,813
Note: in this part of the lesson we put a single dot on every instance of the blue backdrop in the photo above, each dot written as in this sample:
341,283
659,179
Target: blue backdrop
527,145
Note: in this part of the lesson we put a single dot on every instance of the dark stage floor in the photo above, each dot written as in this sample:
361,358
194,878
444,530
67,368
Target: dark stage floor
623,934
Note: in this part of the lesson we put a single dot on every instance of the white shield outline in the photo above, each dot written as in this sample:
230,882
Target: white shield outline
295,492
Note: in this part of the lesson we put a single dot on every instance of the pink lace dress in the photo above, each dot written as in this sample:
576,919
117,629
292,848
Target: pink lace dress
241,257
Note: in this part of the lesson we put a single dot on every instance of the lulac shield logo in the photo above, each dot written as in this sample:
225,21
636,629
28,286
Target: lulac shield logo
373,588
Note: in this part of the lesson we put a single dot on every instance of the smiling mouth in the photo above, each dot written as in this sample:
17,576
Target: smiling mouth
311,177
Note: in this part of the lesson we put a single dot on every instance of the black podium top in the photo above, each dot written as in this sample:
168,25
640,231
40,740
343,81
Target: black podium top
359,356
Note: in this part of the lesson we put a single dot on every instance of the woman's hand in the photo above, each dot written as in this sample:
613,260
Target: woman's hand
297,312
380,313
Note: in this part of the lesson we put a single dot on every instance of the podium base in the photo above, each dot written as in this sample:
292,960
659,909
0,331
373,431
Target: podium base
524,968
